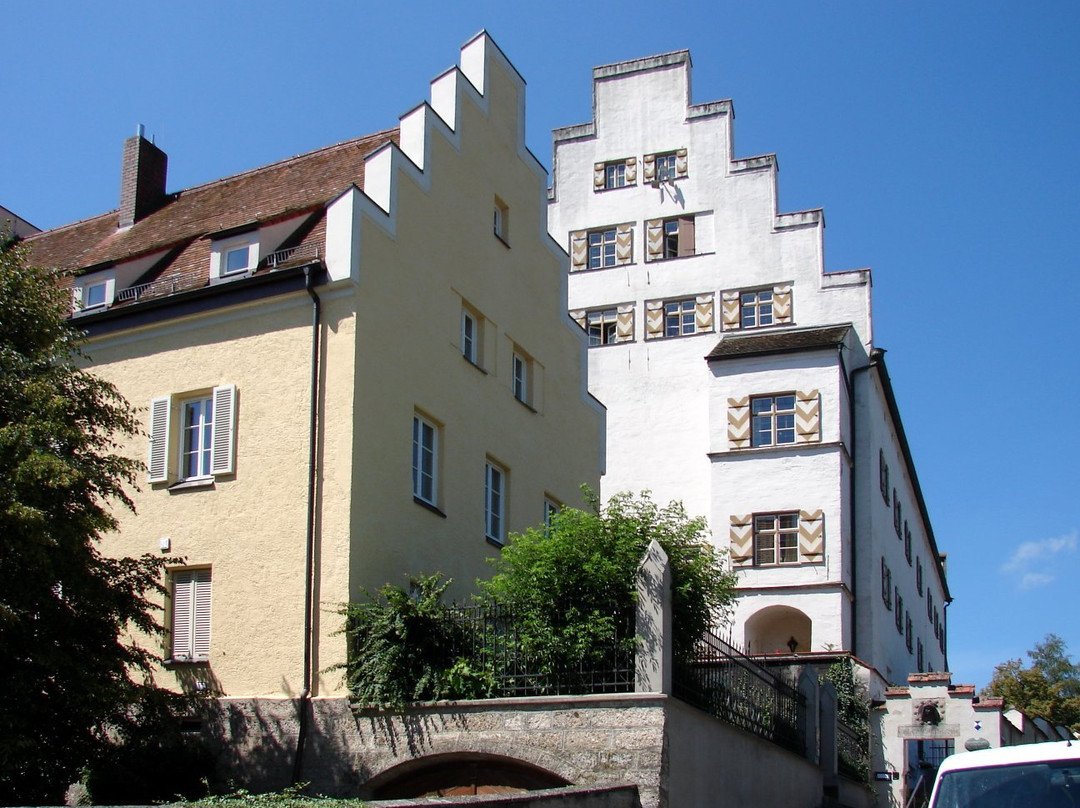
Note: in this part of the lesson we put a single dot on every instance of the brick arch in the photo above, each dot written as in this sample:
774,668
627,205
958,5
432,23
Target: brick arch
458,773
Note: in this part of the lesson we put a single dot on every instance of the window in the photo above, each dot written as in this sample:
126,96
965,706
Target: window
918,577
602,248
883,476
615,174
494,503
929,606
234,257
773,420
919,657
756,308
197,435
886,584
203,445
897,515
191,591
665,167
907,543
94,295
425,454
899,618
776,539
937,627
237,259
680,318
501,220
551,507
671,238
602,327
521,369
469,335
907,631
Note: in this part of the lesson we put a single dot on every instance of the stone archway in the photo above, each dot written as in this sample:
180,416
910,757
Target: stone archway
772,630
460,773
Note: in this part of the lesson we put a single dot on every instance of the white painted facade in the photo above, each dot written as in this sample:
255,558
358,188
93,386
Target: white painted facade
659,265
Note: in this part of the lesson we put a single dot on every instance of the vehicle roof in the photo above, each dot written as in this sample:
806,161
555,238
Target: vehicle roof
1011,755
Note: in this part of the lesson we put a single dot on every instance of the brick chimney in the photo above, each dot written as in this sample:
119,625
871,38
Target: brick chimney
142,179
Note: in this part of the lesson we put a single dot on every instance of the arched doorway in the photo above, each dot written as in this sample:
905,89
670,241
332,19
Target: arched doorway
778,630
458,774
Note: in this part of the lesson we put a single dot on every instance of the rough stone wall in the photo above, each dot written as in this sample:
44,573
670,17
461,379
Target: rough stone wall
587,740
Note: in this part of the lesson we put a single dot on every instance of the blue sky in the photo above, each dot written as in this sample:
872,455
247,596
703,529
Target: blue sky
938,137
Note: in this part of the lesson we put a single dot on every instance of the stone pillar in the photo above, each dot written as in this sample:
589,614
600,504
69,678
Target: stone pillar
810,690
828,759
653,622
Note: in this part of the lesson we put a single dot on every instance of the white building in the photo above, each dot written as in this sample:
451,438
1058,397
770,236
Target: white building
740,377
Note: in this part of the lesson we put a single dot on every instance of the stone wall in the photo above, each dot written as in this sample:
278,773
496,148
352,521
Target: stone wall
674,754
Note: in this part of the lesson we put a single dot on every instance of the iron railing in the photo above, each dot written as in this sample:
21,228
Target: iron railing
302,252
852,752
491,640
736,688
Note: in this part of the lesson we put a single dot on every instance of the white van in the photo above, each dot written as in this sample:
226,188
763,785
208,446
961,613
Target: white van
1037,775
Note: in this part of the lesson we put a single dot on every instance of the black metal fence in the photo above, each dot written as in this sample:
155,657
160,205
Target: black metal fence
735,688
493,640
853,752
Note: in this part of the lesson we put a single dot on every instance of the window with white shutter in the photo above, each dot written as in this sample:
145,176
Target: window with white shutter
192,437
191,596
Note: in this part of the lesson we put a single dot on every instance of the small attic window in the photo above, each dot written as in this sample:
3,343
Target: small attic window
234,257
93,292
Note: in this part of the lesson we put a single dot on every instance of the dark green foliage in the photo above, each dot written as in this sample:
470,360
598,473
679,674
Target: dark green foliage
1049,689
852,709
569,584
404,647
70,670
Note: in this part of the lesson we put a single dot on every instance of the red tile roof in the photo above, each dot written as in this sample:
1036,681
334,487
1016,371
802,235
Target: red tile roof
275,192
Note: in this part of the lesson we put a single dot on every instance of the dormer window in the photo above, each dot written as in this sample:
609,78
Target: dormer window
93,292
234,257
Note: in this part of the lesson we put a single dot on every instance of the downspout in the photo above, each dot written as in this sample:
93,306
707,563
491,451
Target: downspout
309,560
874,354
945,632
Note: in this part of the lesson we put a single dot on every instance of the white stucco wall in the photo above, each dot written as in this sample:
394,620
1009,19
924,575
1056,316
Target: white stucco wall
667,406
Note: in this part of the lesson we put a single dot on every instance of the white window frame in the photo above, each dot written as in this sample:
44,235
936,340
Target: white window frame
196,440
683,327
495,479
773,416
665,166
425,460
80,298
776,539
470,333
615,174
520,373
219,257
165,462
602,326
759,308
192,596
604,248
500,220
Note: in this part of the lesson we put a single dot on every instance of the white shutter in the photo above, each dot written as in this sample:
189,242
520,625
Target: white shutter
181,615
158,461
221,453
200,623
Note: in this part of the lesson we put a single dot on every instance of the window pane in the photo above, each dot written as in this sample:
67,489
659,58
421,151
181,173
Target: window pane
94,295
237,259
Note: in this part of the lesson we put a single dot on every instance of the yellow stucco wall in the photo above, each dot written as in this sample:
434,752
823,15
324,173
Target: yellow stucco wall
390,347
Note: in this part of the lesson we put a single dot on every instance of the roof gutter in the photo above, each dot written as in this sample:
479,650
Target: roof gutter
304,702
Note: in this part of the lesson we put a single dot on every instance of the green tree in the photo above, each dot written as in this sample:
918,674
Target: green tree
73,678
570,583
1049,688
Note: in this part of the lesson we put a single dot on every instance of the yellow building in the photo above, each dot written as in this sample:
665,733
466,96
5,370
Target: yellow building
351,365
